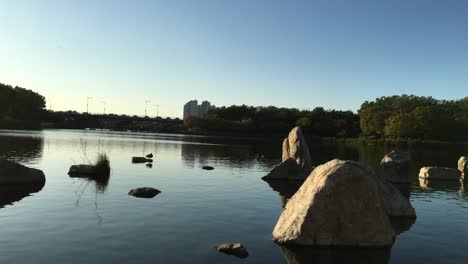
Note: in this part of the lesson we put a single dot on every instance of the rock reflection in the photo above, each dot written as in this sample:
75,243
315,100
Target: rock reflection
402,224
100,183
439,185
286,189
305,255
10,193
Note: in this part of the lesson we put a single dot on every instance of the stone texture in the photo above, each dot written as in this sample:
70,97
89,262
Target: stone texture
13,172
144,192
339,204
235,249
439,173
394,167
296,163
295,147
463,165
395,203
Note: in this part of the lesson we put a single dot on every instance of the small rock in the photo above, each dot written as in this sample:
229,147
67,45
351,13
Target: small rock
144,192
141,160
81,170
286,170
207,168
439,173
235,249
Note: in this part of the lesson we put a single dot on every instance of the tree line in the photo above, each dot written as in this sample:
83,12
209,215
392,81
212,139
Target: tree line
20,107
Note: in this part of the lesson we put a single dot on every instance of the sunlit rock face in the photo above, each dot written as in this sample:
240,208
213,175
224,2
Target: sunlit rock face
439,173
463,165
296,162
394,167
339,204
13,172
295,147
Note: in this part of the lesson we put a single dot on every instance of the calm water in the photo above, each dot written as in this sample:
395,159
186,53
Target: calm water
72,220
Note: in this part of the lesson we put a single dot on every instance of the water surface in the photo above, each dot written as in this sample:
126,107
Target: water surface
74,220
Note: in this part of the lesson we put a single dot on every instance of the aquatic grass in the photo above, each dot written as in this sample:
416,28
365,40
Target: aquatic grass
102,166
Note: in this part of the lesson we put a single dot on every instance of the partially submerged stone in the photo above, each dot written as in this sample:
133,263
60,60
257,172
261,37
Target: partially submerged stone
13,172
82,170
144,192
463,165
296,162
394,167
339,204
235,249
206,167
141,160
439,173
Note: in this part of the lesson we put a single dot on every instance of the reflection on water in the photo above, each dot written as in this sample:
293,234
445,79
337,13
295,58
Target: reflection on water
286,189
100,183
10,193
26,148
304,255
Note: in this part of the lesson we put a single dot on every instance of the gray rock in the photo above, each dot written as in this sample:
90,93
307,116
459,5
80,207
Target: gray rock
81,170
439,173
13,172
395,203
141,160
295,147
463,164
394,167
296,163
144,192
235,249
339,204
286,170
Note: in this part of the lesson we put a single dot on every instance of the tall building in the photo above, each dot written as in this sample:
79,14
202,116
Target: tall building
192,108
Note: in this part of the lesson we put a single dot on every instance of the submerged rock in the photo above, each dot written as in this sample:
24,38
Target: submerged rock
463,164
144,192
235,249
339,204
13,172
141,160
439,173
82,169
207,167
296,162
394,167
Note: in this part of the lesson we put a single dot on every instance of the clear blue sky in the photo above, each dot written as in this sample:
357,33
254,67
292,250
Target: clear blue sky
303,54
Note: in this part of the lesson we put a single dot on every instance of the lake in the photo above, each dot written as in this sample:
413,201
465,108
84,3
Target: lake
75,220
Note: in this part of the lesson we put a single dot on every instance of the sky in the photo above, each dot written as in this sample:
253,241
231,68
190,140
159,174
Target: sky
302,54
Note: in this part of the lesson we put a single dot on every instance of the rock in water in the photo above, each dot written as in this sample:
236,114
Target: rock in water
339,204
463,164
296,163
439,173
13,172
235,249
81,170
295,147
144,192
207,168
141,160
394,167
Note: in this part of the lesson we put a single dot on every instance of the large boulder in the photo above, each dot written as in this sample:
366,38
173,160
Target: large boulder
13,172
463,164
439,173
339,204
295,147
395,203
296,162
394,167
